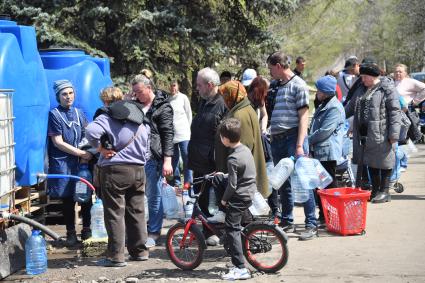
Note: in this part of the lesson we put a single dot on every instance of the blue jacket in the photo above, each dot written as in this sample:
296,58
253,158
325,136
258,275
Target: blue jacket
327,131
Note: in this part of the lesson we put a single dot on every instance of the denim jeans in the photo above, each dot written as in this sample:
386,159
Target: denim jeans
154,179
181,148
285,146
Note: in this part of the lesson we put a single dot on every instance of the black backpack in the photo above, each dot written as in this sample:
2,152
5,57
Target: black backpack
414,132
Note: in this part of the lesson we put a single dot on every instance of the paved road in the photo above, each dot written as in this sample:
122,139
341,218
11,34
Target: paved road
392,250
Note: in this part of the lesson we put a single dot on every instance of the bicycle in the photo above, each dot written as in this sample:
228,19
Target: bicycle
264,243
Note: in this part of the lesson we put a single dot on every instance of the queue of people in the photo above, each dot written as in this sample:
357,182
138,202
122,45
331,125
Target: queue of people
158,131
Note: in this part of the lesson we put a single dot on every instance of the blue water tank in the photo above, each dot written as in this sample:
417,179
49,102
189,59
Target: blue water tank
21,69
89,76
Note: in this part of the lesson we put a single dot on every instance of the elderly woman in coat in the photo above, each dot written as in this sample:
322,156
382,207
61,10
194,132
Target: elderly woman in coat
327,129
376,128
236,100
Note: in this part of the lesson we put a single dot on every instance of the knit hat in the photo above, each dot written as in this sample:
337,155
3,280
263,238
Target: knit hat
248,76
326,85
60,85
370,69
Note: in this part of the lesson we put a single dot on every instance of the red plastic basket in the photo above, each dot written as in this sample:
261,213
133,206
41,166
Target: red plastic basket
345,210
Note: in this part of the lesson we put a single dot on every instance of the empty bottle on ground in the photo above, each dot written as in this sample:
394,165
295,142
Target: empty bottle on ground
36,254
281,172
212,203
82,191
97,220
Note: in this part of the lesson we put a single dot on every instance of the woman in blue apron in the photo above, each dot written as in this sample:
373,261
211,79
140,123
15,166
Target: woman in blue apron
65,131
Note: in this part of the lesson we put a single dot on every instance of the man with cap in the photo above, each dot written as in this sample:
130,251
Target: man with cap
327,129
349,75
376,129
65,132
247,77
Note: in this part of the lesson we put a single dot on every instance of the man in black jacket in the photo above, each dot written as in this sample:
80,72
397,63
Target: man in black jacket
160,115
204,145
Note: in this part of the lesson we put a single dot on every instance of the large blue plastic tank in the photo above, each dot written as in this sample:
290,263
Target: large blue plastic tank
89,76
21,69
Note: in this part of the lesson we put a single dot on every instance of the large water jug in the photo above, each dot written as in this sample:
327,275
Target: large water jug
259,205
97,226
307,173
187,204
36,254
21,69
82,191
300,194
169,201
325,178
212,202
281,172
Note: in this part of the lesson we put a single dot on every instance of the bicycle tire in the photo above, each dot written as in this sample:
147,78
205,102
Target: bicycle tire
190,256
261,233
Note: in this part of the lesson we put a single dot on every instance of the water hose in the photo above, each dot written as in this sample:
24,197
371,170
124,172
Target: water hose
65,176
33,223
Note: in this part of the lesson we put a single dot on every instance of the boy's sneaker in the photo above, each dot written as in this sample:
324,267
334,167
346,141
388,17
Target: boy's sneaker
219,217
213,241
85,234
237,274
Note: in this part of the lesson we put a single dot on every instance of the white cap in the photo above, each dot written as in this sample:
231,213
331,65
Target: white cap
248,76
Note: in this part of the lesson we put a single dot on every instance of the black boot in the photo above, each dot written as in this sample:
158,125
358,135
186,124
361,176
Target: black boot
382,196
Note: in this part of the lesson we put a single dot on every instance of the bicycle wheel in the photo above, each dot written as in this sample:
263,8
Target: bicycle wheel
265,248
187,255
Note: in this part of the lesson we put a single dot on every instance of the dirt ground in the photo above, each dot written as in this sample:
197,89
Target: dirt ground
392,250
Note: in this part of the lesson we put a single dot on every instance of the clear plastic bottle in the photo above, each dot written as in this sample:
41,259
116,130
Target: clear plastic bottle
82,191
187,204
307,173
324,177
35,254
259,205
97,220
300,194
169,201
281,172
212,202
146,208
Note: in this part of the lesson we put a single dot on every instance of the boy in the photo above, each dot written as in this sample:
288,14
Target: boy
238,195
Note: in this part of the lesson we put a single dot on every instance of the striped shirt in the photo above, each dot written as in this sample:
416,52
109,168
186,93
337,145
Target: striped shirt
291,96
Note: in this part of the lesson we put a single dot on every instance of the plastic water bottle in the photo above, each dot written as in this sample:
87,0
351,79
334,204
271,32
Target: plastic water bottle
169,201
97,220
301,194
36,254
307,173
82,191
281,172
187,204
269,168
259,205
146,208
324,177
212,203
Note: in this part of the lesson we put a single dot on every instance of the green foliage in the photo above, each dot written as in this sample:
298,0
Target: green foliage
172,38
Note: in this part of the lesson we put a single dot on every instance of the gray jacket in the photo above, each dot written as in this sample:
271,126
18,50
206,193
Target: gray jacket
383,125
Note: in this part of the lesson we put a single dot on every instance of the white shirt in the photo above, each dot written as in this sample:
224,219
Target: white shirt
182,116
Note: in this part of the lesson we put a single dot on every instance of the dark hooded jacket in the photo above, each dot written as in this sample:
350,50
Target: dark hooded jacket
160,117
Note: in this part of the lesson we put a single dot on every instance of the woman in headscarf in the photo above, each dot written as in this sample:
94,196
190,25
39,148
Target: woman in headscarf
236,100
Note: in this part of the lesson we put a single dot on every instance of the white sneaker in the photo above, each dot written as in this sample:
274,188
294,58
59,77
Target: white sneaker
219,217
237,274
213,240
402,169
150,243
